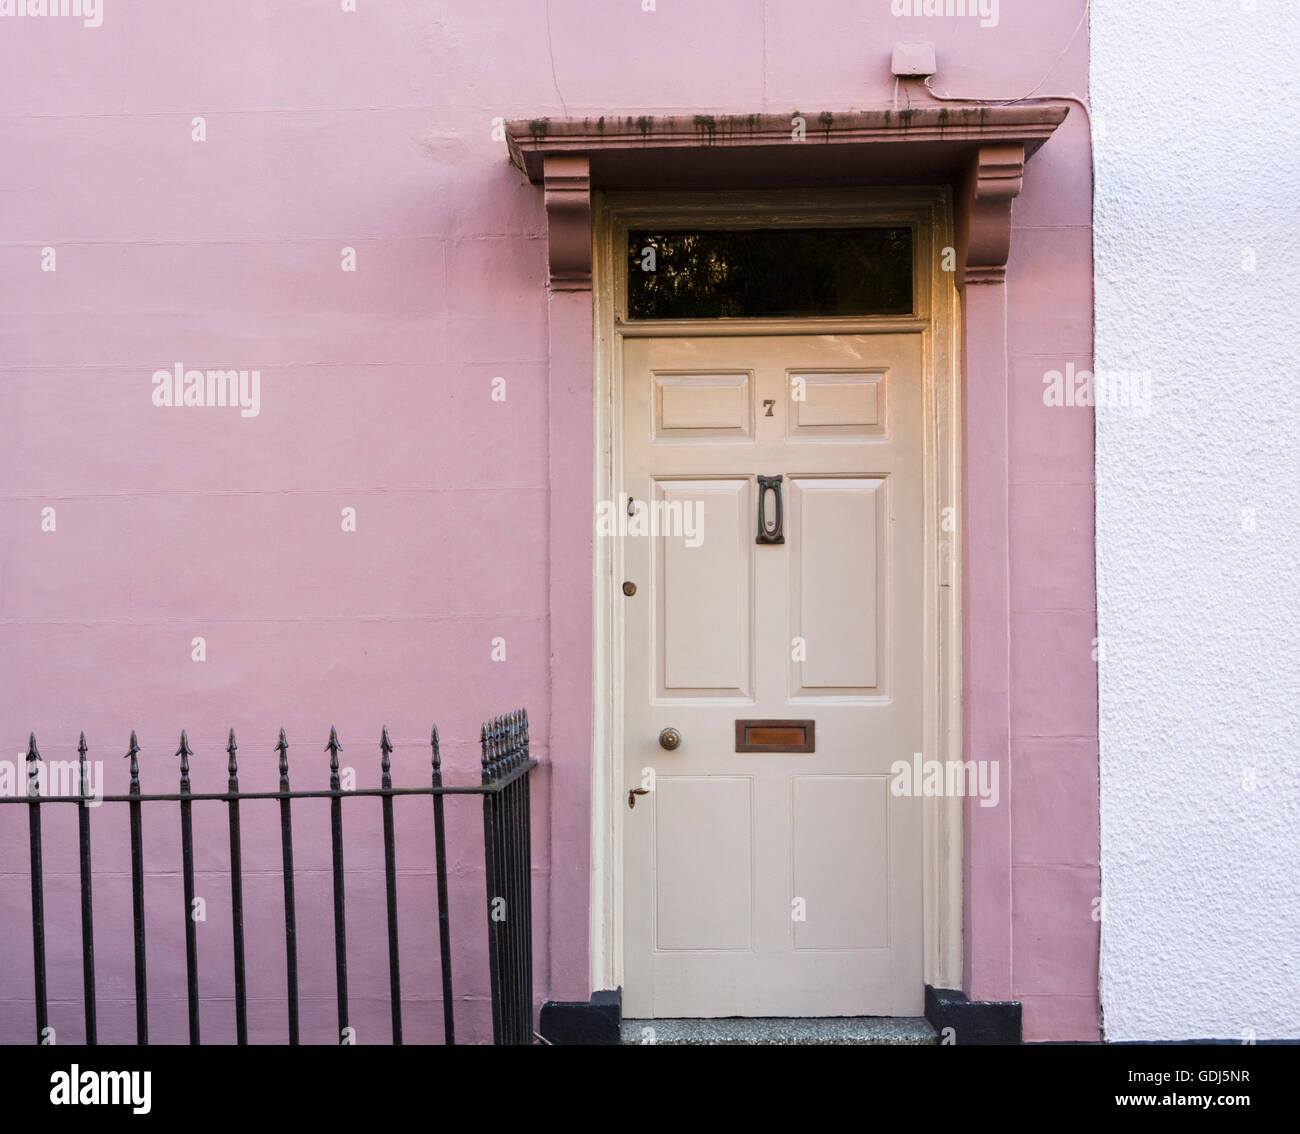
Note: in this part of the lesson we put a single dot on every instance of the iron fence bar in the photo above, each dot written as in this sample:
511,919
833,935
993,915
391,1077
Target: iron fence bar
340,928
507,884
521,889
290,913
390,886
490,863
187,870
526,793
38,891
444,923
499,805
522,883
137,897
237,900
87,904
504,887
516,894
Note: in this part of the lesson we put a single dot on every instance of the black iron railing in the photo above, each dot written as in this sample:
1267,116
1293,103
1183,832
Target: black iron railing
504,786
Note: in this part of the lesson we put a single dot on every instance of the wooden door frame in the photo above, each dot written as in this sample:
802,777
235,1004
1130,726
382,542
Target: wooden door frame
929,211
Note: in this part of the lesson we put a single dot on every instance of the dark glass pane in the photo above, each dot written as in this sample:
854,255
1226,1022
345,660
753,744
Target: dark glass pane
769,272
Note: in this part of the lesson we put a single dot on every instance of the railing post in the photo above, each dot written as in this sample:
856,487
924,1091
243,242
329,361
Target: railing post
137,897
514,821
390,884
87,904
187,870
487,740
38,887
526,842
237,898
340,924
444,923
290,916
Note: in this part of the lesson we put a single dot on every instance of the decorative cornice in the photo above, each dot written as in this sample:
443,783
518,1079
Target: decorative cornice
983,148
606,140
996,175
568,221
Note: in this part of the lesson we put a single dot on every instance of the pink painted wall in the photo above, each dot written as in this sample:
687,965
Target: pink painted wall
373,130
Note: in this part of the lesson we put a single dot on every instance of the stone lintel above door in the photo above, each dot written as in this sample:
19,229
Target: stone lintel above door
979,149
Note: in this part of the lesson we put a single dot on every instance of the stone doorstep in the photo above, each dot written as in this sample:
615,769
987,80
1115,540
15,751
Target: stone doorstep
755,1031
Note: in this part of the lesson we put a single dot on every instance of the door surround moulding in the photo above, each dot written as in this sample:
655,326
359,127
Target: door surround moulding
928,212
980,151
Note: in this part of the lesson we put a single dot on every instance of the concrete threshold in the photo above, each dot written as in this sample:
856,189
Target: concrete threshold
762,1030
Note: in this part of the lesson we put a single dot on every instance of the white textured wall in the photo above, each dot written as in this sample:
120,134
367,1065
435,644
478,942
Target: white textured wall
1198,179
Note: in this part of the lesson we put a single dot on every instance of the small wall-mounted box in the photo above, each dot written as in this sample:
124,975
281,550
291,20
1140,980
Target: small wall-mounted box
914,60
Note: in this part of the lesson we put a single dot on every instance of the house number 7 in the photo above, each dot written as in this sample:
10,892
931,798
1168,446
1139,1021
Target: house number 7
768,403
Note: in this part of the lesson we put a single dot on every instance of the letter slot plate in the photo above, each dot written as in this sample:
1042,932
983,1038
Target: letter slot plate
776,736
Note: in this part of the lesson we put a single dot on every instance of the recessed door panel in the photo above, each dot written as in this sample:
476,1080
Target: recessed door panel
837,406
840,851
840,536
703,857
703,407
703,592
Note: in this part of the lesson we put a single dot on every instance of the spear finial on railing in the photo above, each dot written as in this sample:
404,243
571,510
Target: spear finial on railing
333,748
134,752
385,763
282,747
33,758
232,768
82,749
437,757
185,752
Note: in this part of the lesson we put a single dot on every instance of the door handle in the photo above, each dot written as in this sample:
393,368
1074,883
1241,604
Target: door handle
669,739
770,532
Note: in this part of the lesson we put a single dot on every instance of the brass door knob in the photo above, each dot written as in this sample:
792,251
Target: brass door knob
670,738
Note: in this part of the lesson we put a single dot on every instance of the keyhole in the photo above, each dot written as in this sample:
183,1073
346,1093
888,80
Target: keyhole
769,404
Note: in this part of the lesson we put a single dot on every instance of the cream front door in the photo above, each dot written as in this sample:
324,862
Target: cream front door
768,869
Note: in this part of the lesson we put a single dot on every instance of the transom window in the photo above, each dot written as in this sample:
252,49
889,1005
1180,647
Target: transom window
766,273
